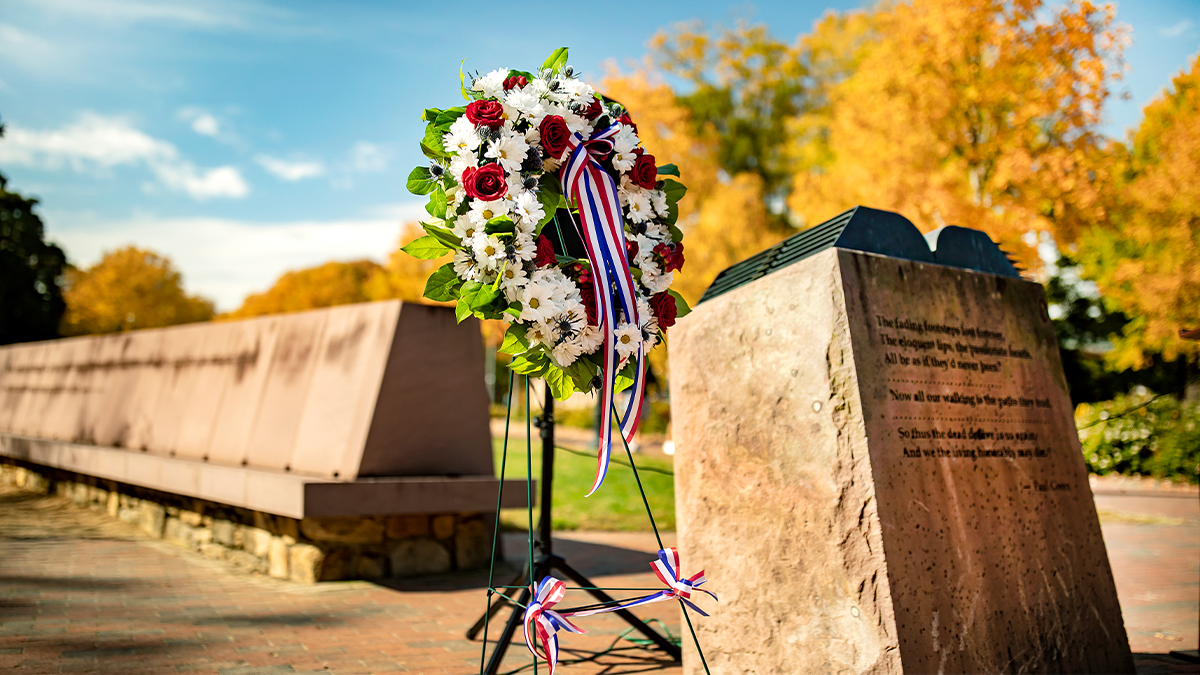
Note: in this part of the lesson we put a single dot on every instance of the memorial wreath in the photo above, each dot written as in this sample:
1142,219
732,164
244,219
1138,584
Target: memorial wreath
529,156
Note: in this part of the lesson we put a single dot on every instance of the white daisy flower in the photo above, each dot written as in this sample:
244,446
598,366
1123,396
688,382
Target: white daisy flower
489,250
481,212
465,228
638,206
626,339
529,208
462,137
465,266
492,84
524,99
524,246
625,140
512,281
566,352
576,90
590,339
623,160
658,199
657,230
509,150
537,303
656,281
460,163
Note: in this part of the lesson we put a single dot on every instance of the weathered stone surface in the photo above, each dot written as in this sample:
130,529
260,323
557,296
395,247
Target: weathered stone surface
370,565
304,563
343,530
338,564
278,558
191,518
443,526
151,518
113,504
403,527
259,542
223,532
472,544
248,561
817,415
214,551
420,555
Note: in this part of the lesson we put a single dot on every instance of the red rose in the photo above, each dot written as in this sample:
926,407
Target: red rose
644,172
588,293
555,135
515,81
672,255
545,253
664,308
625,119
486,183
631,249
594,109
486,114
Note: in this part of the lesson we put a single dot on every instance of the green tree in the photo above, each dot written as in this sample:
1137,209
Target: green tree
129,288
30,272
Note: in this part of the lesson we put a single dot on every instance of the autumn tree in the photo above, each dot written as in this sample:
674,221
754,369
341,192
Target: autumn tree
1147,260
404,276
981,113
129,288
334,283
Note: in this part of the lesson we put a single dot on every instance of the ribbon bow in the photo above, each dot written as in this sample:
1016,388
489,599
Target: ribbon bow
667,570
546,622
594,193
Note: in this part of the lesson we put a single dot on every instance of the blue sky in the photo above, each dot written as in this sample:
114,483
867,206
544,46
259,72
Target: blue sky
243,139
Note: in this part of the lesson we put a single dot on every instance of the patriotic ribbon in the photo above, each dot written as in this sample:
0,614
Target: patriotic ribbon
666,568
544,623
594,193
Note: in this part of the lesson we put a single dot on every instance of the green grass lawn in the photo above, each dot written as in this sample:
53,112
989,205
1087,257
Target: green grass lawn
615,506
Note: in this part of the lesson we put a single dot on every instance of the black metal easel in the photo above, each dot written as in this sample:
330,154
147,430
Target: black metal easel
546,561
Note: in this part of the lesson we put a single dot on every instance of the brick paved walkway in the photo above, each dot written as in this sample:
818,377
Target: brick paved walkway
82,593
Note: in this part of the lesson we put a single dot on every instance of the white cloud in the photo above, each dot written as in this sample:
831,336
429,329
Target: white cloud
96,142
290,171
206,14
1176,30
366,157
228,259
202,121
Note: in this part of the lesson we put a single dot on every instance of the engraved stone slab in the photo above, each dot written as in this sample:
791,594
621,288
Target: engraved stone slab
877,466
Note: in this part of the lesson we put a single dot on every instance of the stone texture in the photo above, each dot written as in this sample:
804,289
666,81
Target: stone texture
443,526
343,530
804,450
304,563
403,527
151,518
421,555
370,565
222,532
472,544
278,558
260,542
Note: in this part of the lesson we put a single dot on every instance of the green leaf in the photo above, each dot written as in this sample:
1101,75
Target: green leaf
624,379
557,59
447,117
551,200
561,384
477,295
425,248
582,372
462,81
681,306
515,341
514,310
430,114
420,182
448,238
431,144
462,311
437,203
676,233
443,284
674,190
500,224
532,363
668,170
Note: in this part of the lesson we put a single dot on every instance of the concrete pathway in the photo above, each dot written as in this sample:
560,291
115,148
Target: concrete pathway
82,593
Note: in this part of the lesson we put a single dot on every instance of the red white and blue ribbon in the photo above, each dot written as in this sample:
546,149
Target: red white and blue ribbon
666,568
594,193
543,623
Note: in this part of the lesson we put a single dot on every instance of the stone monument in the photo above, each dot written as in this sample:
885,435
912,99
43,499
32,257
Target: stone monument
877,464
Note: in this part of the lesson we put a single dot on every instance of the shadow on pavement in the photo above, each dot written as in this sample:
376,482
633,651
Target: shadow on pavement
1163,664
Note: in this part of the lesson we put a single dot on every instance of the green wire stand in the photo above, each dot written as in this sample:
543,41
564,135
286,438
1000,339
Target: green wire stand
541,560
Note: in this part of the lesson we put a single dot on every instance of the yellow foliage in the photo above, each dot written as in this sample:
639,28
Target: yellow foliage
334,283
1147,263
129,288
404,276
979,113
723,218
